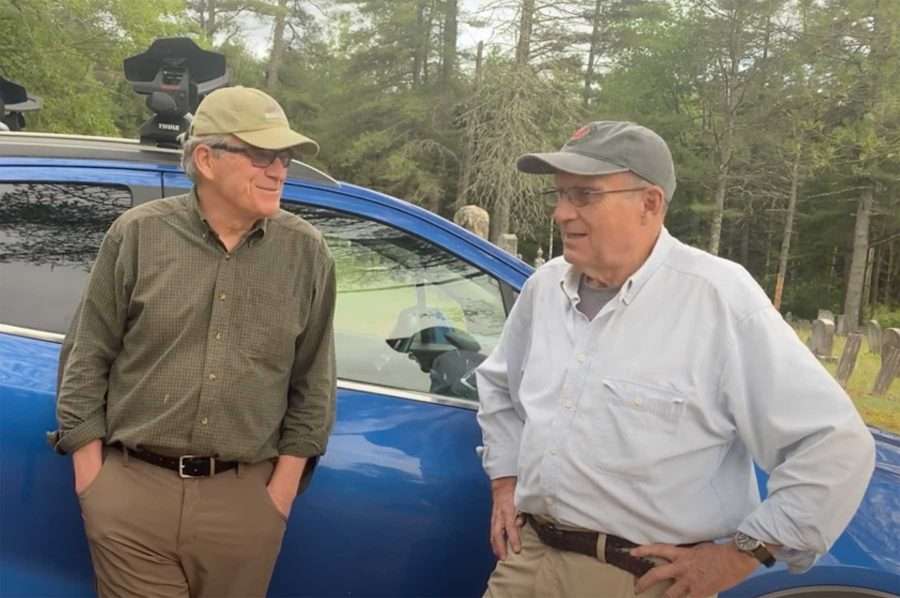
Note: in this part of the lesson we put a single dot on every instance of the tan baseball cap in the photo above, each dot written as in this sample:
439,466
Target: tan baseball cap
252,116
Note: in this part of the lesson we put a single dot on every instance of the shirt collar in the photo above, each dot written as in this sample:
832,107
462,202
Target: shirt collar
198,220
632,286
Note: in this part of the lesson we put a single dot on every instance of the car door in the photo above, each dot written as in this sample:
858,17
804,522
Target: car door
399,505
52,219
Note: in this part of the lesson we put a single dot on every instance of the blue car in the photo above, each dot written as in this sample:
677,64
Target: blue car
399,505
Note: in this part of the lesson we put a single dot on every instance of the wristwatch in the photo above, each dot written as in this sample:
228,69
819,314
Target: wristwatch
754,548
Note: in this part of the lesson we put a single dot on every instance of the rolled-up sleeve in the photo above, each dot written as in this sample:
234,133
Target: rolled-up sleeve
311,397
803,429
91,345
500,413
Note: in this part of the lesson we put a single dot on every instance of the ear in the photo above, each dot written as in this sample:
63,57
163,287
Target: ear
203,157
654,202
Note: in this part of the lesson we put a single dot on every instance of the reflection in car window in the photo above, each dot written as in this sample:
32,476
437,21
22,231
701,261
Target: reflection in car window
49,236
409,315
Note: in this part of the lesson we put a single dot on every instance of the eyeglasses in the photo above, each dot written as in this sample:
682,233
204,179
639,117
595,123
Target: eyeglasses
259,157
580,196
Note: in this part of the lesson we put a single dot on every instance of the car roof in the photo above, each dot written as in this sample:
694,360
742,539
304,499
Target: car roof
51,145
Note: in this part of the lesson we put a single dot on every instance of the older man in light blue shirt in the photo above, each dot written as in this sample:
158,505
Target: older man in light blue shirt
636,382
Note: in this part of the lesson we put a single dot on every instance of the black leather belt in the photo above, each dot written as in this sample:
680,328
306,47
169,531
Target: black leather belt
616,552
187,466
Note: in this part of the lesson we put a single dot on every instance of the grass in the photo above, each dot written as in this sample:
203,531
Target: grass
880,412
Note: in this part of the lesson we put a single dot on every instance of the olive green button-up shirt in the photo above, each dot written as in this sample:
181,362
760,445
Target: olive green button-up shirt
180,347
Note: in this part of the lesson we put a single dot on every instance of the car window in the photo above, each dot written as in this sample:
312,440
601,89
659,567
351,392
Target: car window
409,314
49,236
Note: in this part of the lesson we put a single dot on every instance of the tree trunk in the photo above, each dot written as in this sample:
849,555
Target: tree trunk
479,56
419,54
277,46
745,238
856,280
867,285
889,298
715,233
526,24
725,151
788,231
448,62
592,54
465,170
500,219
426,41
874,285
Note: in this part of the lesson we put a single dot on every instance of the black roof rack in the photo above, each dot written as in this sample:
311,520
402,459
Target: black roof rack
14,100
175,74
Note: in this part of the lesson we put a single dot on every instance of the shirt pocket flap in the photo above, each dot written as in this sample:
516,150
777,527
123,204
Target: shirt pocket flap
643,397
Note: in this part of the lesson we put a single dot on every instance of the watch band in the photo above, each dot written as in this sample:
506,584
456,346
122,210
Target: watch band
755,548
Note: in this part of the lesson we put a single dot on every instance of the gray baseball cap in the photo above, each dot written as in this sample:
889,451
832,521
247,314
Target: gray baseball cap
608,147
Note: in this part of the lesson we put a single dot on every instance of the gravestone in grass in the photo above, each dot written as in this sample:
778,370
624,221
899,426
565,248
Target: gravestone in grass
474,219
873,336
848,358
890,361
822,340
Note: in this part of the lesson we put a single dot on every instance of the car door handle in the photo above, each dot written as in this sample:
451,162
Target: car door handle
479,450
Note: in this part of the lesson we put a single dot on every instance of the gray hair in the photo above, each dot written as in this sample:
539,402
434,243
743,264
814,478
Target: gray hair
187,156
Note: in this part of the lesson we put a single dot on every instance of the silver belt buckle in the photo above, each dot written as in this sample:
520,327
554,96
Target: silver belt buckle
181,474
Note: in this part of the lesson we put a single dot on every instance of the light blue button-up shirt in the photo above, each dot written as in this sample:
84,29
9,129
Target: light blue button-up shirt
645,421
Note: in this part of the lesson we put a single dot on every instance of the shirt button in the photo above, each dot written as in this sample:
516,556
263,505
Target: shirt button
569,404
553,452
204,421
218,336
227,256
222,297
580,357
212,376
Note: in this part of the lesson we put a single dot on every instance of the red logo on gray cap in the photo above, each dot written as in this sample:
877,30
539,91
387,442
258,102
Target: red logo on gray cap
580,133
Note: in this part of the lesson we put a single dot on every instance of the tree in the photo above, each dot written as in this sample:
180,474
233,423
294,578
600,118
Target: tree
515,110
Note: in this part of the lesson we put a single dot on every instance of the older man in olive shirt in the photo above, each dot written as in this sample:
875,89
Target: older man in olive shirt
201,364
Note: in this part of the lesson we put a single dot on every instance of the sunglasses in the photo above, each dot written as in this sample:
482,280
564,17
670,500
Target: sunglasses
259,157
580,196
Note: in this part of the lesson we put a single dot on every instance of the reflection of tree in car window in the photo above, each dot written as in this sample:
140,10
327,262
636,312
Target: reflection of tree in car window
49,236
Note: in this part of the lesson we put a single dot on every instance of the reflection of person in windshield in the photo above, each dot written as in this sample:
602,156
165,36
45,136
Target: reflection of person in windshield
447,354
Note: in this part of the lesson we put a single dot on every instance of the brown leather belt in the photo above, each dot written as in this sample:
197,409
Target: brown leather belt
616,551
187,466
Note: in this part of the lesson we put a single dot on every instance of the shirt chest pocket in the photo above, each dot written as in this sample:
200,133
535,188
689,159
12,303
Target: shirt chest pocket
639,426
268,323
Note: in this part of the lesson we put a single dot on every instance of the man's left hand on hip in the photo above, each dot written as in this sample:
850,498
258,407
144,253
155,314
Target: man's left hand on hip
696,572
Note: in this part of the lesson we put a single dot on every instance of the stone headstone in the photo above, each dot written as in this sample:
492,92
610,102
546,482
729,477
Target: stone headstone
840,327
802,324
890,361
509,243
789,317
873,336
825,314
539,258
890,339
474,219
822,340
848,358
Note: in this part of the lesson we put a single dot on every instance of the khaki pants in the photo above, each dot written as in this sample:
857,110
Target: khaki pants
539,571
153,534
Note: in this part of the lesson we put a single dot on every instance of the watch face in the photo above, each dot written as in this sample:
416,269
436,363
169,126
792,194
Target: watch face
745,543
